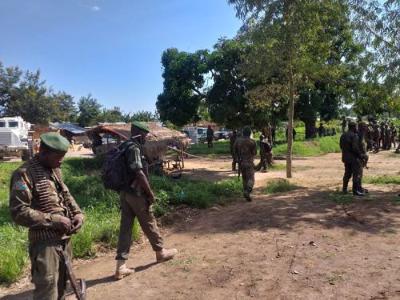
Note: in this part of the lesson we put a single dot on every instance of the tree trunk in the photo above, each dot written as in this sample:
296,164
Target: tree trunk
290,124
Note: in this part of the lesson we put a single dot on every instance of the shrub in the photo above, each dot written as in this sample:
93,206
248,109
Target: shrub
279,186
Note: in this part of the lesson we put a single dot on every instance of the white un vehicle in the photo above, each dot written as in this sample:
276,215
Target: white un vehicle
14,134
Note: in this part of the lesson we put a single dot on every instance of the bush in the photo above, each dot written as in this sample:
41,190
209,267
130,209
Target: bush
279,186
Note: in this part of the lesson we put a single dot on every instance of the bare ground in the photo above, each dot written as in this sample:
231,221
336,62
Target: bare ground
296,245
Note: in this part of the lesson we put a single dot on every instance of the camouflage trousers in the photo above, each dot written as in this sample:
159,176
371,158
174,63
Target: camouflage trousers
355,170
247,171
49,274
136,206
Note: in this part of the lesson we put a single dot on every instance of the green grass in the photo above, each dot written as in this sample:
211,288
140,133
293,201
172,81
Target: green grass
101,209
318,146
220,148
279,186
340,198
384,179
301,147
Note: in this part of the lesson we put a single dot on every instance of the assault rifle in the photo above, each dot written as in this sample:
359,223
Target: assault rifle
78,285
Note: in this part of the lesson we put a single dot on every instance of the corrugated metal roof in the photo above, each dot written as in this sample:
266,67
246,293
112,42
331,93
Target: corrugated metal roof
72,128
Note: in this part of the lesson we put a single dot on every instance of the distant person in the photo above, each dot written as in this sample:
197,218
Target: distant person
393,136
362,132
245,150
294,134
232,140
344,124
40,200
352,157
273,135
321,130
210,136
136,201
265,151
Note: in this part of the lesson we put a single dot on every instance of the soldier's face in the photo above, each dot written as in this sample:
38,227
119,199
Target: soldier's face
52,159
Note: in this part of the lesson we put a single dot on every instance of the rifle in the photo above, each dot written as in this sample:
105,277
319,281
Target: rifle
239,168
78,285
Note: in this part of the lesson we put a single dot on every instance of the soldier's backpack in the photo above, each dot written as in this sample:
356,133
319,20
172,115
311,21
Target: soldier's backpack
115,175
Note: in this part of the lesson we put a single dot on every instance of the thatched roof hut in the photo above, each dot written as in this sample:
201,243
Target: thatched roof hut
157,141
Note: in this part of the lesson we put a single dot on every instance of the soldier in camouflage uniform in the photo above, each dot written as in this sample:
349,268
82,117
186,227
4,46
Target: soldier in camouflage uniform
40,200
352,157
245,150
265,151
232,140
136,201
362,132
393,131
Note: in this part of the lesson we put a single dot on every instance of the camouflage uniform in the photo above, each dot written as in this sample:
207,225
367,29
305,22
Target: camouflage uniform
134,204
246,149
265,152
393,135
232,140
352,159
37,195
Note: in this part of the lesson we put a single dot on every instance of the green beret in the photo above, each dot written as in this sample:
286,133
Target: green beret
55,141
141,126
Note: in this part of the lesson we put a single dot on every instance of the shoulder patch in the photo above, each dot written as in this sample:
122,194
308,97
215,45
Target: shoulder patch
20,185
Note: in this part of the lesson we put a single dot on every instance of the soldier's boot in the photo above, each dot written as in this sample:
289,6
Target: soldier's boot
122,270
358,193
165,254
246,195
345,185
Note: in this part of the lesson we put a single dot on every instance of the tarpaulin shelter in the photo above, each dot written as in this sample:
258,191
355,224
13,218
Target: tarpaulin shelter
158,141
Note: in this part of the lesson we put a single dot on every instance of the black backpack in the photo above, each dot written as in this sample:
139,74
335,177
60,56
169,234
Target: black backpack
115,173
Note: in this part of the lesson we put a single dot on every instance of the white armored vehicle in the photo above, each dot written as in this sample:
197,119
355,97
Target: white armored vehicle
14,132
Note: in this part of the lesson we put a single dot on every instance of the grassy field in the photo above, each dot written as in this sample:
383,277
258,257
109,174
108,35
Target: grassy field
384,179
101,208
315,147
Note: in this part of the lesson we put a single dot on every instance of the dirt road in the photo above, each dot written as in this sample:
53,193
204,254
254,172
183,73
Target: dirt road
297,245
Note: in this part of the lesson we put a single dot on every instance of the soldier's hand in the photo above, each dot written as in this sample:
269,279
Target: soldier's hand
61,223
77,223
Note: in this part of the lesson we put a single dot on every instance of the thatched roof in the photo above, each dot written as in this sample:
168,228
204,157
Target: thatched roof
157,141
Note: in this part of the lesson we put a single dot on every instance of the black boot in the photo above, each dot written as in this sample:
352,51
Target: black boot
358,193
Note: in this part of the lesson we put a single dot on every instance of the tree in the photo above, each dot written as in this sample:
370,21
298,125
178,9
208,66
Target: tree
9,81
25,94
64,109
183,81
89,111
110,115
290,48
142,116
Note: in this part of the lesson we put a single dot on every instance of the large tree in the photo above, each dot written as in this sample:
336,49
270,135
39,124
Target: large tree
291,46
183,82
89,111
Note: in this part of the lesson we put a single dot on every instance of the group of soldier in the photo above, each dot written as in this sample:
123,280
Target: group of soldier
41,201
380,137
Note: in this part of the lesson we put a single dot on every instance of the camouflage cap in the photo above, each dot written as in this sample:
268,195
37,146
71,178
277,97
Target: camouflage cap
55,141
141,126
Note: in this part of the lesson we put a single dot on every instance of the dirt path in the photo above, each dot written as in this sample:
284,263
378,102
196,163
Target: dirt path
297,245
